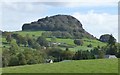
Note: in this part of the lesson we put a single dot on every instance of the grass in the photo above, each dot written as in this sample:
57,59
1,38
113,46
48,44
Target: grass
30,33
94,43
80,48
79,66
67,41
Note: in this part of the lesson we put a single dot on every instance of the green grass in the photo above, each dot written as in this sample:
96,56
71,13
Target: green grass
86,41
30,33
79,66
5,43
67,41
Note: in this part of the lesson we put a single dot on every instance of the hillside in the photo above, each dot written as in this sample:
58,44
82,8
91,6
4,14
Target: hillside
80,66
69,42
66,25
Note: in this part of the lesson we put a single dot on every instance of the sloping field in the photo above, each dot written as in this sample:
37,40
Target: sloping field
79,66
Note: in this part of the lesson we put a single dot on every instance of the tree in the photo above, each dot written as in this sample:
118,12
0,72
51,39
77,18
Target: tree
111,49
14,47
101,54
83,55
111,46
9,38
56,53
90,45
24,41
42,41
5,57
30,42
78,55
19,39
28,53
104,38
111,40
78,42
14,61
118,54
6,33
53,39
95,50
118,50
67,49
21,58
36,46
67,55
34,57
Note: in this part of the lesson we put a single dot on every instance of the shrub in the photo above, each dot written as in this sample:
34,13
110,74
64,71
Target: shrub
78,42
90,45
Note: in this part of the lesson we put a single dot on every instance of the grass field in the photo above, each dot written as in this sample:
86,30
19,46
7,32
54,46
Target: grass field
94,43
31,33
79,66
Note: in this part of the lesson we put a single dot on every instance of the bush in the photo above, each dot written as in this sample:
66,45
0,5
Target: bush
22,60
14,61
90,45
78,42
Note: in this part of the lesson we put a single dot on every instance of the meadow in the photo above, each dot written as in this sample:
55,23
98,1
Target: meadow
77,66
31,33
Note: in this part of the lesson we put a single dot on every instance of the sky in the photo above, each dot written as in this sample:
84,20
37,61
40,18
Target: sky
97,16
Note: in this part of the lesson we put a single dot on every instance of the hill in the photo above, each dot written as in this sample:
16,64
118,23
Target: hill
68,42
79,66
66,25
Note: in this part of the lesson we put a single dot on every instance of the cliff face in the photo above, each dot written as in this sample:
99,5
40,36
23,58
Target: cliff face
63,23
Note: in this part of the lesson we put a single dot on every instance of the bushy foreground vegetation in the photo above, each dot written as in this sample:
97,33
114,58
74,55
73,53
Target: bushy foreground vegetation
79,66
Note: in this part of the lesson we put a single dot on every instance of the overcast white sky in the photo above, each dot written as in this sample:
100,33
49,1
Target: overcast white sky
97,16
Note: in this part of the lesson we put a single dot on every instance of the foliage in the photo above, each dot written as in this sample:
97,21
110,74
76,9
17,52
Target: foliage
78,42
9,38
111,40
53,39
67,55
80,55
56,53
5,57
107,38
14,61
21,58
64,26
42,41
14,47
90,45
